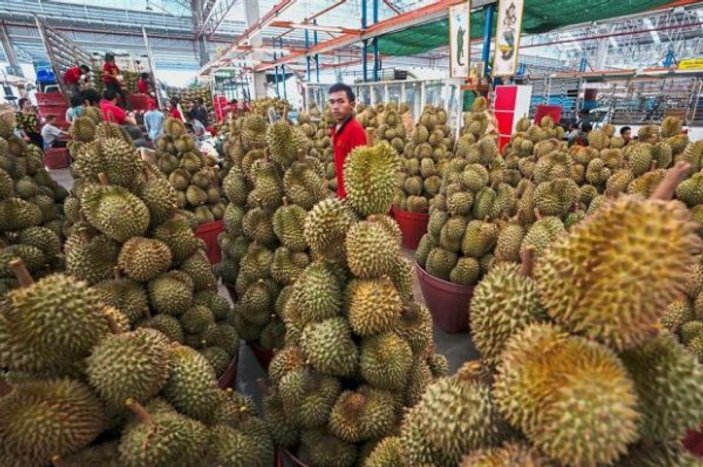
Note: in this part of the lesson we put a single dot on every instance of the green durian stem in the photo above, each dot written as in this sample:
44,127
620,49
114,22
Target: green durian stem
470,371
138,410
528,261
56,461
666,188
538,214
285,201
103,179
19,269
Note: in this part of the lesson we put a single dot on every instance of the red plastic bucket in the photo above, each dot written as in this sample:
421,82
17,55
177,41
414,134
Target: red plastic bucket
209,232
448,302
262,355
413,225
229,377
694,443
57,158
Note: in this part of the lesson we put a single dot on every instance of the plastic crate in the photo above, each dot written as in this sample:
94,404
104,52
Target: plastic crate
209,232
57,158
51,98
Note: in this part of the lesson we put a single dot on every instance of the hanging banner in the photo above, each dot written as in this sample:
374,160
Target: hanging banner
508,32
459,40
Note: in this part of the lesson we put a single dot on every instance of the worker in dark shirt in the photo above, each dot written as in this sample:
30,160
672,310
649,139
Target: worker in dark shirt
199,112
347,133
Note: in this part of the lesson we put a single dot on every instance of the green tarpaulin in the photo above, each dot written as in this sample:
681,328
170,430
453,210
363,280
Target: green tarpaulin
539,16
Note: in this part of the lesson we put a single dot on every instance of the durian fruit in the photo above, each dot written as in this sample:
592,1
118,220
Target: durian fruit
329,347
509,454
44,420
619,314
129,365
369,174
191,386
326,227
455,415
142,259
594,388
307,397
162,439
504,302
115,211
364,414
663,371
387,453
371,250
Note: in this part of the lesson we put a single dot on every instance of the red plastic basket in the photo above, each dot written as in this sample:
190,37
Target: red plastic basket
694,443
57,158
262,355
51,98
448,302
413,225
229,377
209,232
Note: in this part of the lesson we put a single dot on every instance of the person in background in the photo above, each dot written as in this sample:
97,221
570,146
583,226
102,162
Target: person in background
626,134
172,109
76,108
51,134
200,112
143,84
90,98
28,123
581,139
347,133
153,121
197,127
112,78
112,112
74,77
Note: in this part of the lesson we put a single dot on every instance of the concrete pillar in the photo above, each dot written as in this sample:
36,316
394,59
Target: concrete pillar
9,50
251,11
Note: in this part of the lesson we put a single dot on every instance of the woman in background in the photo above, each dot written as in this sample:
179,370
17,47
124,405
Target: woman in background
28,123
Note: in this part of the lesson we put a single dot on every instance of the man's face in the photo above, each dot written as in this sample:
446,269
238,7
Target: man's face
627,135
340,105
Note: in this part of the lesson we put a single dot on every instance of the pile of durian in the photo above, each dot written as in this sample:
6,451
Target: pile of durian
261,106
358,350
31,208
317,125
127,238
271,186
575,368
193,174
80,387
537,190
191,94
425,156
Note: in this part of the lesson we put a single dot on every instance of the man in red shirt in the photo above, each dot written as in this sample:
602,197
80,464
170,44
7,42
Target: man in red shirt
112,112
143,84
111,77
347,133
73,77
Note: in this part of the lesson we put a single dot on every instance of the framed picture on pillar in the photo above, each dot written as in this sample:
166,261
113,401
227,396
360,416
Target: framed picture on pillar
459,40
508,32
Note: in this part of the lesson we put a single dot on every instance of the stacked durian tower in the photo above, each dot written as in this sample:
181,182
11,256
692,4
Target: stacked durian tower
194,175
270,190
358,350
191,94
575,368
262,105
322,148
127,238
74,371
31,208
426,154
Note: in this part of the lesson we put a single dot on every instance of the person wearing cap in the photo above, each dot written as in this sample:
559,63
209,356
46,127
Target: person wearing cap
153,121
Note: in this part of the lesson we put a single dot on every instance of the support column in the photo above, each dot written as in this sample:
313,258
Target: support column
200,44
10,51
487,35
317,57
376,56
365,48
251,11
